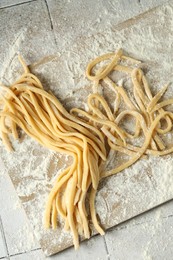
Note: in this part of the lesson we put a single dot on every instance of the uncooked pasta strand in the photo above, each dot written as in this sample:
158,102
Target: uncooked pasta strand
93,213
156,98
107,70
101,121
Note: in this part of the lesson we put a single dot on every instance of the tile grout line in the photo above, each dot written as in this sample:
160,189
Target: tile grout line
50,18
51,22
22,3
106,247
32,250
4,238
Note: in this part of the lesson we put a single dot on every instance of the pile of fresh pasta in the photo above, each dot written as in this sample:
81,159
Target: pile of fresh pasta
87,136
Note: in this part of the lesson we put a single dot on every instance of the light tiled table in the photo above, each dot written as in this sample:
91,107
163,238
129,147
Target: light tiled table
148,236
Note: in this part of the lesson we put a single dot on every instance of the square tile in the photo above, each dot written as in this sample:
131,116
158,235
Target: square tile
19,236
